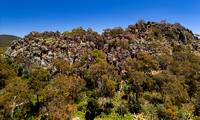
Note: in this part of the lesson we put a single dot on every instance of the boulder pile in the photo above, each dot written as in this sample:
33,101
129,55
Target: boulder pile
118,44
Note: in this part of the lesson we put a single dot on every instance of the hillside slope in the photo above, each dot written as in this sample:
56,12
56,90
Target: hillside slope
149,70
5,40
118,44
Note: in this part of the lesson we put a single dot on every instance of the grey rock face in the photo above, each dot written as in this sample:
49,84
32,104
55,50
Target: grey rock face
105,49
13,55
183,37
44,48
36,61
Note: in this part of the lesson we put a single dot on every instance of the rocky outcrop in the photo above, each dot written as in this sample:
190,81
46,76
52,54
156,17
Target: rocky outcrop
151,37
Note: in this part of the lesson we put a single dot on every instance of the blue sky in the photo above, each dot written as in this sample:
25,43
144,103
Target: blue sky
19,17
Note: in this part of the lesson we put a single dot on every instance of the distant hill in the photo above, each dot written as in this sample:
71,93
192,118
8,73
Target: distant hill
5,40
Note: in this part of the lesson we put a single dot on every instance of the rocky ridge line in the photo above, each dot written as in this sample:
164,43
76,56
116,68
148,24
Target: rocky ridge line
118,44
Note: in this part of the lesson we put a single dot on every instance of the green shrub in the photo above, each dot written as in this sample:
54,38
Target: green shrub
176,49
45,37
58,32
27,53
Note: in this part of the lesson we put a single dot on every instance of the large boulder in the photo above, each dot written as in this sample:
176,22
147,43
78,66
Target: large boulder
105,48
13,55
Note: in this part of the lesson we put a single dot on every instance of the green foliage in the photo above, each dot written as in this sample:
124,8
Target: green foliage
115,32
140,21
177,92
131,28
144,63
165,92
134,106
177,49
61,66
6,72
58,32
80,114
151,112
113,116
2,50
93,109
15,94
180,114
164,77
197,35
148,62
45,37
153,97
98,73
197,103
66,33
38,81
26,74
164,61
69,85
27,53
98,55
77,32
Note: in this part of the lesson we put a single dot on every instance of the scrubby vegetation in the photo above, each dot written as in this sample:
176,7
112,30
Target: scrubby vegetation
148,71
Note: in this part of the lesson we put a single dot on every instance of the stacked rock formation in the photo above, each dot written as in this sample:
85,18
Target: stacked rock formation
118,44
